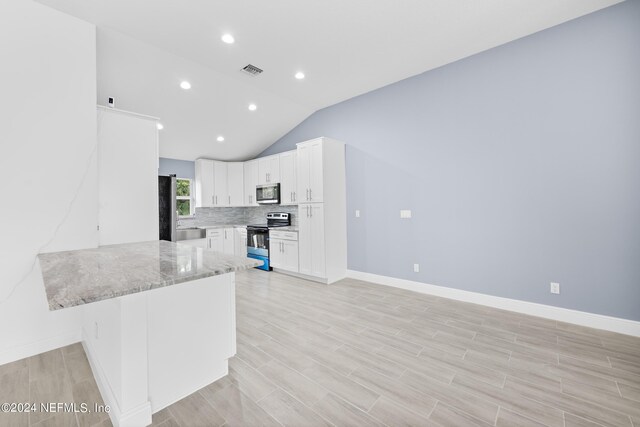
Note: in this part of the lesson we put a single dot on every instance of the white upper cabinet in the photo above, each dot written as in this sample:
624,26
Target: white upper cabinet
204,183
310,172
220,189
235,183
288,172
251,179
269,170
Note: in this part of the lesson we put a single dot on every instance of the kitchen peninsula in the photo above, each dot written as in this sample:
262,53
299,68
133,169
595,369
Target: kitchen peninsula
158,319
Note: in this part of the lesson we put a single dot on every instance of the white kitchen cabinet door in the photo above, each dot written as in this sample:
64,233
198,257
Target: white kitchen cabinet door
269,170
220,189
251,179
283,254
240,241
288,169
310,172
316,186
215,240
276,256
318,260
235,183
204,183
311,239
228,241
304,239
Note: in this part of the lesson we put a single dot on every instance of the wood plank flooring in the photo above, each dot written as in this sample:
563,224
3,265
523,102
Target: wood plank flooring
358,354
57,376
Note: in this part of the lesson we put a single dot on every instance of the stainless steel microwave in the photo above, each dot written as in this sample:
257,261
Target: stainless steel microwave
268,194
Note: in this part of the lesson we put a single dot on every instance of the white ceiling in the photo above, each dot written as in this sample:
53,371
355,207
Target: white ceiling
345,48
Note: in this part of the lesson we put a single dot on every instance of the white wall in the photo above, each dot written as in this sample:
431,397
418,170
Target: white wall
47,158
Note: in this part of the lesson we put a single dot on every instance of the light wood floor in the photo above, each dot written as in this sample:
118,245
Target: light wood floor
354,354
57,376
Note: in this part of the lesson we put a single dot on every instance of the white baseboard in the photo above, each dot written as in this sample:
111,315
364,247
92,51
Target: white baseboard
139,416
302,276
42,346
597,321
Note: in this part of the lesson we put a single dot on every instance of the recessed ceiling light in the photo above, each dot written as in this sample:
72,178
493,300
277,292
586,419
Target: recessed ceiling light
253,107
228,38
159,126
185,85
220,138
299,75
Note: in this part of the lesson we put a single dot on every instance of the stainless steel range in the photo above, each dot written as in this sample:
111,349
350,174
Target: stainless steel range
258,237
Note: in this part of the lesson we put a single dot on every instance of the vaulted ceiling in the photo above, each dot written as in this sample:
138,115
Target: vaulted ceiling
146,48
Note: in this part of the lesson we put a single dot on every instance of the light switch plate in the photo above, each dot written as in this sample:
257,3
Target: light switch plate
357,213
554,288
405,214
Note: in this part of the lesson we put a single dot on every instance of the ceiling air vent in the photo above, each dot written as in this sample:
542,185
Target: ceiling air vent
251,70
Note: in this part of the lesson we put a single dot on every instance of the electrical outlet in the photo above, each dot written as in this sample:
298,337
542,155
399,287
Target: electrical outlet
416,268
554,288
357,213
405,214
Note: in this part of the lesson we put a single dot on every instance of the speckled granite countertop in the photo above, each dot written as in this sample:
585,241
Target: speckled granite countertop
84,276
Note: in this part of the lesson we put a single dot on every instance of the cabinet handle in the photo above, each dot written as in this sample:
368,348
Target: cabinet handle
229,199
307,194
310,212
310,196
294,196
213,200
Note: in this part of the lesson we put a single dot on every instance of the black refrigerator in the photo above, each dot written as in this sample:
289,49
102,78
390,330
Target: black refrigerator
167,207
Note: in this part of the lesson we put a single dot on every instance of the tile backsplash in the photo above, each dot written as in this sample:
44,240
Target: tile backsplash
242,215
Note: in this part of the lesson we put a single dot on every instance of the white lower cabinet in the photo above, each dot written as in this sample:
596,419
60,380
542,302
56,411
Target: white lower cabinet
240,234
228,241
283,250
215,239
221,240
311,239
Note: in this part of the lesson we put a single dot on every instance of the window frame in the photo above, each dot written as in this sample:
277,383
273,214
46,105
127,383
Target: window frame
190,197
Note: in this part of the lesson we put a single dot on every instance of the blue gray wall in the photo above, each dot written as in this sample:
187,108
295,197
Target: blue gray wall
181,168
521,165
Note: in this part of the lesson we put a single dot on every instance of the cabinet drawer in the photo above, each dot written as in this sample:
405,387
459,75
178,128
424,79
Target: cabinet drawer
214,232
283,235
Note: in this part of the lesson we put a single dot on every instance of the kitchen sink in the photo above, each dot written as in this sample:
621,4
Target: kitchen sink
190,233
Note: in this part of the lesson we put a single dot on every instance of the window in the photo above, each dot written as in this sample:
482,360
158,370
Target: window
183,197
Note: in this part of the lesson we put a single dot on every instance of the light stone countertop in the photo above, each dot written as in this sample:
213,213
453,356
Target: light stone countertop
206,227
289,228
84,276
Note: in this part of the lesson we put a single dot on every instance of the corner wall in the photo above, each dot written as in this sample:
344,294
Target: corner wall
48,159
521,166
